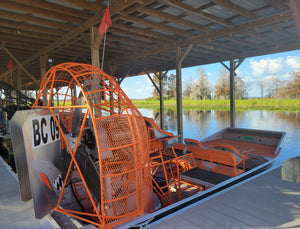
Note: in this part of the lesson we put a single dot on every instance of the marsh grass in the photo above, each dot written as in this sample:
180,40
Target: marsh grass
224,104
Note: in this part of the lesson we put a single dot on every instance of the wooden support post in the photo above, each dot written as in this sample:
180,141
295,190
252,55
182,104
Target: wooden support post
19,80
43,66
233,65
160,90
161,77
161,101
94,45
179,95
179,59
113,69
232,95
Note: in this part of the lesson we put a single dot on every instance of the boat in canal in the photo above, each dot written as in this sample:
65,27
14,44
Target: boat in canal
84,151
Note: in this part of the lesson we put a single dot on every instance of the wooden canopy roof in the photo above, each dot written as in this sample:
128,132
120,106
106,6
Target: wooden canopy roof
144,34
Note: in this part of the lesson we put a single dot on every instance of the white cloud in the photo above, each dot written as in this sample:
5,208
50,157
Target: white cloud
293,62
266,66
270,78
250,79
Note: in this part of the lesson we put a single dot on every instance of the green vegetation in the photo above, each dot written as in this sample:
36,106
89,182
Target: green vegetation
224,104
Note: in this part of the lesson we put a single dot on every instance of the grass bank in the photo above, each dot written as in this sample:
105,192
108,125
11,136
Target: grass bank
224,104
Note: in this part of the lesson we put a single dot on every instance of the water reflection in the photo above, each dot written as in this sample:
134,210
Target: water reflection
198,124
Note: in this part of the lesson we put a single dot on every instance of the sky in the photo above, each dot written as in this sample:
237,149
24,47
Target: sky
252,70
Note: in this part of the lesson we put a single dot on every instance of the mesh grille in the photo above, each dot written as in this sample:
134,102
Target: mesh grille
88,98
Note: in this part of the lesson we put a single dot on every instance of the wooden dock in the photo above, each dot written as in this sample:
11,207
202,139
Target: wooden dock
263,202
14,213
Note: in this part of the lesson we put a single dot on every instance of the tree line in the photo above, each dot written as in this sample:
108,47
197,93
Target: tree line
202,89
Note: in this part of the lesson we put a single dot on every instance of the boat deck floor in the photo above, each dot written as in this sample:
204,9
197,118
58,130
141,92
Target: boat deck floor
263,202
257,149
13,212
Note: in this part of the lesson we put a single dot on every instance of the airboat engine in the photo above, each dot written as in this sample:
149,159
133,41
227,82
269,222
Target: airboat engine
82,150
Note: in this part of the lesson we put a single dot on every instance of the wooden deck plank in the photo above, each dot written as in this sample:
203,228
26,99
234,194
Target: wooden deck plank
263,202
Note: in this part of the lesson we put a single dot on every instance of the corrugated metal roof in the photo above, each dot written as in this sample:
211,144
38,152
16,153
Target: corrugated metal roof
144,34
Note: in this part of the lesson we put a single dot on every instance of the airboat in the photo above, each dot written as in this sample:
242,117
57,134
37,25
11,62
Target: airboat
85,151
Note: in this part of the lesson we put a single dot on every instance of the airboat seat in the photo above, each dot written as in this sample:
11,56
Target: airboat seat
230,148
226,163
233,167
193,142
216,160
203,163
155,133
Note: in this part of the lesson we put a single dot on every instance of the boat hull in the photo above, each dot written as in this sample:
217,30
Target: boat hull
261,139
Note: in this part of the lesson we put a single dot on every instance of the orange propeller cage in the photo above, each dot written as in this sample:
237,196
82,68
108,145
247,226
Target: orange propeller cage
85,91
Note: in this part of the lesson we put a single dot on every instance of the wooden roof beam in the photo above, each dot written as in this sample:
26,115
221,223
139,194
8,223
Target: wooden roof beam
27,43
131,9
157,26
226,46
2,45
126,48
56,8
240,40
279,4
128,40
39,11
247,26
26,34
196,12
281,30
34,20
76,31
23,26
83,4
140,33
208,51
261,37
236,8
24,45
295,7
174,19
124,33
199,52
213,47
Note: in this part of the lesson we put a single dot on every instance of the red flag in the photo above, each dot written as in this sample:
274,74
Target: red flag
106,22
9,64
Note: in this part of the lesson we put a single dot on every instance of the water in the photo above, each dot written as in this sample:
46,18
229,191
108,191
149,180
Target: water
199,124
